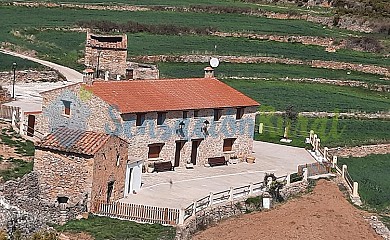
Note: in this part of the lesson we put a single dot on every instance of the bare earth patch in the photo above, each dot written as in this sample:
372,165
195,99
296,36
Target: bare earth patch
322,214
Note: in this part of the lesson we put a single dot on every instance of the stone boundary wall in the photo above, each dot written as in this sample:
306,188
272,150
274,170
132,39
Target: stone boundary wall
306,40
247,59
216,213
361,151
26,211
351,115
348,83
27,76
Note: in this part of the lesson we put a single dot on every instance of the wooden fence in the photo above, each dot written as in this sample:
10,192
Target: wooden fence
6,112
138,213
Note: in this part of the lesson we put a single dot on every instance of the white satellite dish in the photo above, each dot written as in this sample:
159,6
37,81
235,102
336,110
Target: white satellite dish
214,62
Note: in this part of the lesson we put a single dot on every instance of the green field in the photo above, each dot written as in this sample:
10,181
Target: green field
102,228
265,70
372,174
24,29
333,132
312,97
6,62
60,17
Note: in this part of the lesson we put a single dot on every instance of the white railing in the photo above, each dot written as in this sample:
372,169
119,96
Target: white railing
233,193
343,172
138,213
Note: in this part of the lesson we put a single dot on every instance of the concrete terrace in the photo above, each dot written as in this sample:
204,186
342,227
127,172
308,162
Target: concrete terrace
177,189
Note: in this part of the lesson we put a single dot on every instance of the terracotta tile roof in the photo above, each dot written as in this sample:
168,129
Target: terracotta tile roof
74,141
169,94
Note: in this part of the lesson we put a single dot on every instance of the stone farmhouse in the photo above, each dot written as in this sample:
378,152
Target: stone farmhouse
80,167
179,122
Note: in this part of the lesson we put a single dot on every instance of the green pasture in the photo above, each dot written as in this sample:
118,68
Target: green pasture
60,17
272,71
102,228
372,174
312,97
333,132
6,62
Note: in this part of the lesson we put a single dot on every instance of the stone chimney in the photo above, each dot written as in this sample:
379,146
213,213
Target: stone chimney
88,76
208,72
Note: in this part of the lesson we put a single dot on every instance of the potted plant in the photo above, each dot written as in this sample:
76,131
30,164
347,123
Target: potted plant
150,167
233,159
250,159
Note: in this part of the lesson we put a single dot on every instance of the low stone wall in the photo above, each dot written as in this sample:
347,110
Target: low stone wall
27,76
21,207
246,59
361,151
214,214
349,83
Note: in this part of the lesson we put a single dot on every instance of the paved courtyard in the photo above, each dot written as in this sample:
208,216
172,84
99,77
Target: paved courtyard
176,189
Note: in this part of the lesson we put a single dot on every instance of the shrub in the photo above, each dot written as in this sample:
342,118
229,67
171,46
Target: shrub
135,27
368,44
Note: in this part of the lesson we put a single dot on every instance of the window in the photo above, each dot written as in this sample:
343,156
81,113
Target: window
140,119
66,107
196,113
118,159
217,114
240,113
228,144
161,118
154,150
185,114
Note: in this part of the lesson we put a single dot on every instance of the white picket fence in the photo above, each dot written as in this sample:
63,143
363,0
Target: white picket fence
138,213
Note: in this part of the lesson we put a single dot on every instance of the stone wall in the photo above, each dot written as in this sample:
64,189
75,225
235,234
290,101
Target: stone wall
64,175
349,83
360,151
22,208
108,168
241,59
93,114
27,76
142,71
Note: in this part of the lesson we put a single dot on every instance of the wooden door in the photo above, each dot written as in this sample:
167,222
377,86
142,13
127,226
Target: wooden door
194,151
179,146
30,125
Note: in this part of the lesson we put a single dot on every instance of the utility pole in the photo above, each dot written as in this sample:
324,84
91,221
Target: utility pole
13,83
99,52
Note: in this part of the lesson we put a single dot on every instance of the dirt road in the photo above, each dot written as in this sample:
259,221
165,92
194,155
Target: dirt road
70,74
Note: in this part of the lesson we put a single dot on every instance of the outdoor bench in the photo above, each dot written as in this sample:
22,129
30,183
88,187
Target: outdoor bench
163,166
217,161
